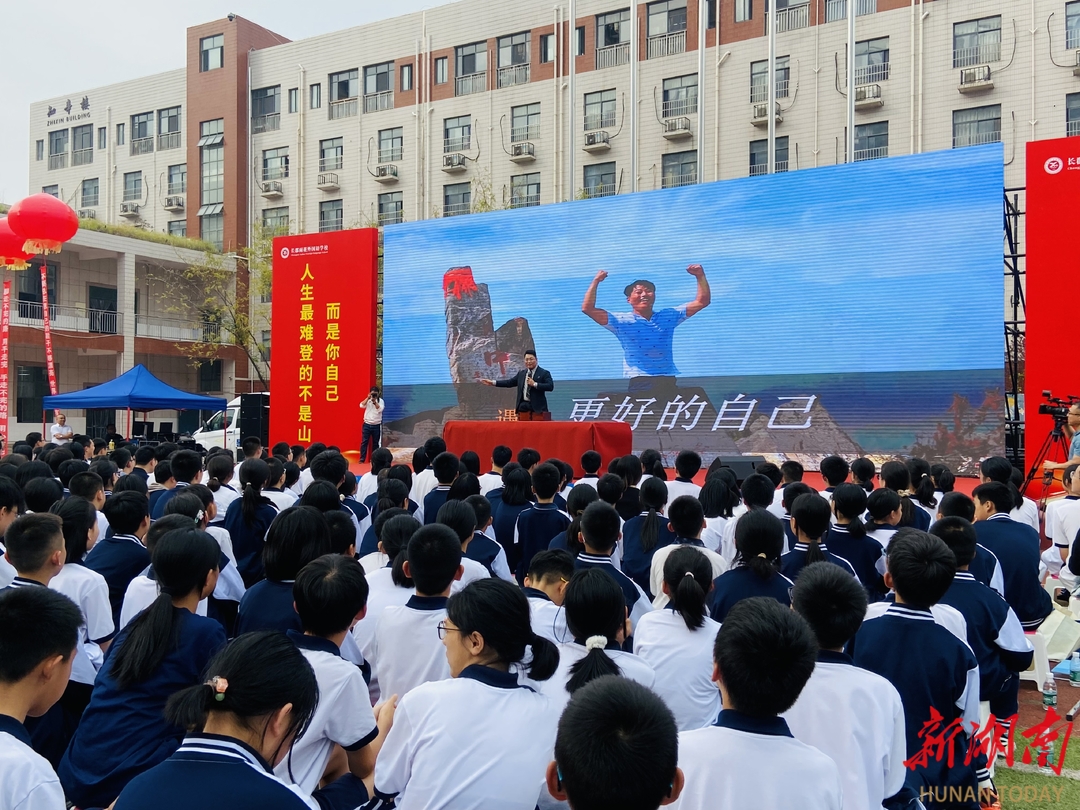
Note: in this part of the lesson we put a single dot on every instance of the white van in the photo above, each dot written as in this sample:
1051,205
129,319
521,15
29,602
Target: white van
222,429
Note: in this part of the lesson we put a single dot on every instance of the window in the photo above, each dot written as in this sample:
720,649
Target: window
275,163
379,87
169,120
547,48
314,96
457,199
276,220
580,37
871,141
264,101
210,375
390,144
344,85
600,180
264,345
211,132
872,61
744,10
710,13
212,51
142,133
102,138
976,42
1072,114
178,179
759,79
405,80
177,227
1072,25
82,145
457,134
667,17
133,188
599,109
52,191
525,122
294,99
440,70
119,134
680,96
679,169
39,150
976,125
525,190
212,159
331,152
212,229
514,49
58,146
470,59
759,156
31,388
330,216
614,29
390,208
88,196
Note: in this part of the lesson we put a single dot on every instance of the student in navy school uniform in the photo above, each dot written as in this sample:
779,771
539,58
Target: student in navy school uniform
616,746
993,630
847,539
39,636
985,566
936,673
1016,546
248,519
393,494
885,511
628,468
558,498
834,470
541,521
645,534
186,468
599,535
87,485
446,467
590,463
580,497
545,588
810,520
516,498
850,714
261,695
787,499
331,466
164,649
923,493
482,548
163,482
759,539
342,534
377,559
895,476
42,493
460,517
298,536
122,556
68,470
763,656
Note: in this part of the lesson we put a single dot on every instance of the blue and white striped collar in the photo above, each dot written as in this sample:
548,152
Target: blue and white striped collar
965,575
840,528
1000,516
602,559
130,537
806,547
199,744
908,612
23,582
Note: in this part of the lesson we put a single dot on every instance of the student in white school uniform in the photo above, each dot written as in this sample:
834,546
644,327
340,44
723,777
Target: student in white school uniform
368,483
834,471
687,465
763,657
39,635
220,471
884,511
686,519
719,496
460,517
848,713
479,738
492,479
12,504
406,651
143,589
590,463
1063,521
545,587
678,643
424,481
757,493
274,489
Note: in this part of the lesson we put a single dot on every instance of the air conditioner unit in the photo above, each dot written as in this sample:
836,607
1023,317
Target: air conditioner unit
524,152
977,78
129,209
760,115
598,141
386,174
453,163
174,203
328,181
87,213
271,190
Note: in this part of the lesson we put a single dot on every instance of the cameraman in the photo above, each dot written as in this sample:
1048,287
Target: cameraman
1072,430
372,431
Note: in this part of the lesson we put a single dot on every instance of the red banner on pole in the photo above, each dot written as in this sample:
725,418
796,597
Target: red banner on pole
48,330
5,322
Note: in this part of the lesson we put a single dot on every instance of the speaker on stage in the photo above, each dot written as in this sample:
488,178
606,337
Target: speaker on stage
742,466
255,417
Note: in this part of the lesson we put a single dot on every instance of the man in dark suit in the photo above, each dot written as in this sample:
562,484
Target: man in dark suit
532,384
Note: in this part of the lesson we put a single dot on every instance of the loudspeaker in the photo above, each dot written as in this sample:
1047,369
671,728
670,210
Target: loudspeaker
742,466
255,417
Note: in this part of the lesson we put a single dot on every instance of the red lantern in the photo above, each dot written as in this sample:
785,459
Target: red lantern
11,252
44,222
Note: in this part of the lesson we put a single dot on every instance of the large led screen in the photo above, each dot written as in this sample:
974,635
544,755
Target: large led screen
850,309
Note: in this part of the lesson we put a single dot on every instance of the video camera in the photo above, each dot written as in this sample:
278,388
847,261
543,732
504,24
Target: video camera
1057,407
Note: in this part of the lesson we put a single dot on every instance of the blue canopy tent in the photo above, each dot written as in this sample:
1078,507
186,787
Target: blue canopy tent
135,390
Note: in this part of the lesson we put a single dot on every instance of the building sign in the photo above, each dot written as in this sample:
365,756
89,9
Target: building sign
323,336
54,117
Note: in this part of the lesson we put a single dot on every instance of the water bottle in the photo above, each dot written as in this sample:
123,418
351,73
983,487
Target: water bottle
1046,758
1074,670
1049,691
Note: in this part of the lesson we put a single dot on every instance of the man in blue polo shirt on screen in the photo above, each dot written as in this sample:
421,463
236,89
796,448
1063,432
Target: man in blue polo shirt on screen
645,335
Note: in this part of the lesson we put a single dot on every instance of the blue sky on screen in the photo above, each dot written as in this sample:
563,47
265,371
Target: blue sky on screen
885,265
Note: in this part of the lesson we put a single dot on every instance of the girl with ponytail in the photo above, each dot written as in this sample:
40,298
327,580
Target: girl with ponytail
678,643
248,519
895,476
848,539
645,533
256,698
448,737
885,510
922,486
580,497
759,542
220,470
811,517
163,650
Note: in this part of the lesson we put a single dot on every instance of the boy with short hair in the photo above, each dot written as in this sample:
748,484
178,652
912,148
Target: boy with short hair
599,534
446,467
590,463
122,556
145,462
687,465
537,524
460,517
252,447
811,517
186,467
39,634
834,470
500,457
868,742
617,746
89,485
35,549
757,493
610,488
12,504
482,547
545,586
763,656
686,519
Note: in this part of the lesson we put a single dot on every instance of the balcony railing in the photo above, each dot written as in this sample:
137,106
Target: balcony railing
871,74
599,121
170,140
763,168
331,163
177,188
599,190
266,123
275,172
69,319
142,146
346,108
837,9
791,18
456,209
1072,128
613,55
679,106
458,144
526,133
331,224
373,102
58,161
676,180
390,154
759,92
183,329
524,200
133,194
976,138
473,83
390,217
871,154
667,45
979,55
82,157
513,74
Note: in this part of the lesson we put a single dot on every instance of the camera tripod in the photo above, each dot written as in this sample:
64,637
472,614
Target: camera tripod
1055,438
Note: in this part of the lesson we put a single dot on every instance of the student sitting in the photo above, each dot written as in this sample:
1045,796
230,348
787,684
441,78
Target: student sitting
12,504
848,713
763,657
678,643
599,534
39,636
427,762
936,673
541,521
834,470
164,649
590,463
393,493
123,555
42,493
406,651
514,499
375,559
644,534
482,548
143,589
719,497
759,541
597,621
757,494
445,466
885,510
617,746
628,468
186,467
35,549
545,587
220,470
686,519
576,503
810,520
331,594
847,539
298,536
460,517
260,695
163,482
790,494
360,514
248,518
984,566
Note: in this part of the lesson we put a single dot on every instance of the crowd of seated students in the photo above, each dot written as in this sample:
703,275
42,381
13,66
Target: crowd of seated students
180,630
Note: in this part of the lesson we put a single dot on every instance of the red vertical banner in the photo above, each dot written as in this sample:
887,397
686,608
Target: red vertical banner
5,328
48,329
323,335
